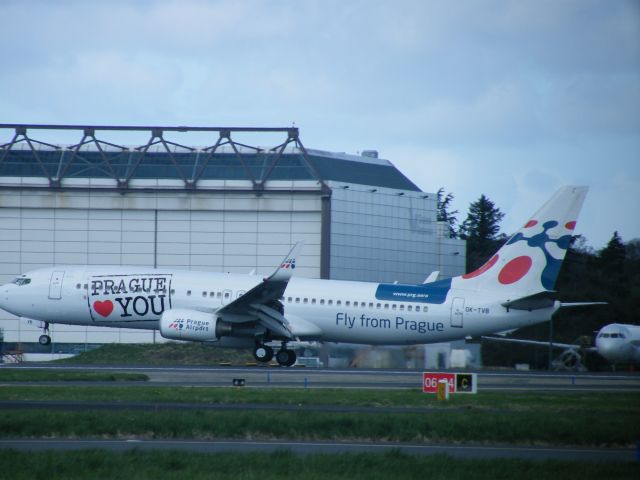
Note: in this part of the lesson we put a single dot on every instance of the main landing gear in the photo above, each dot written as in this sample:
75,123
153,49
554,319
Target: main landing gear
285,357
45,339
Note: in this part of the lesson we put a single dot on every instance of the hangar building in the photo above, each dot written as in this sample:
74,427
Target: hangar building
74,195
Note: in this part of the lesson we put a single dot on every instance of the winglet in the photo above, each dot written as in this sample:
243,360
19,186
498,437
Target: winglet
285,271
433,276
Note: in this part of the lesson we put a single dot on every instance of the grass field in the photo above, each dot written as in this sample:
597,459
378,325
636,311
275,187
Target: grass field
160,354
523,428
593,419
182,465
605,403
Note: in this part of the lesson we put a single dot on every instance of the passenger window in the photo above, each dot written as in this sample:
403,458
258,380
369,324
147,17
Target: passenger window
386,306
409,308
330,302
305,300
370,304
204,294
188,293
347,303
172,291
313,301
338,302
417,308
394,306
289,299
322,301
78,286
378,305
211,294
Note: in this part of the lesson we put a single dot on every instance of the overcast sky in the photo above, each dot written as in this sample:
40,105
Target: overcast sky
507,98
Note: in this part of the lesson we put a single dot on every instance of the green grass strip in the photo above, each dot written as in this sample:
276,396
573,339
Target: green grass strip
605,403
160,354
161,465
36,375
526,428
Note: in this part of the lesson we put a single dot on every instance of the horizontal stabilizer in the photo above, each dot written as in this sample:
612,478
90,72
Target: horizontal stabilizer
531,302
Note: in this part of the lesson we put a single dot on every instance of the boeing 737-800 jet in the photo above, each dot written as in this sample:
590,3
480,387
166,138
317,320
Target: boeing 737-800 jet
513,289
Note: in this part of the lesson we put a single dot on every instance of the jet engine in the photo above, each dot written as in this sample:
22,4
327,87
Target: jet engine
185,324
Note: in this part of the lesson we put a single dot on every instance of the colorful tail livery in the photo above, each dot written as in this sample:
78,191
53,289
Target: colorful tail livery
529,263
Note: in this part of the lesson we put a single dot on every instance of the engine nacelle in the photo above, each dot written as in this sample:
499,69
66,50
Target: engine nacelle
185,324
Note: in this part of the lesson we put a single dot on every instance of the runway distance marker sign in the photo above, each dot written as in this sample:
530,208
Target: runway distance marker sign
458,382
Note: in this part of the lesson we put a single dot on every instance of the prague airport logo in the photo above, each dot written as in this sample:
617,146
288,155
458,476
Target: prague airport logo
177,324
291,263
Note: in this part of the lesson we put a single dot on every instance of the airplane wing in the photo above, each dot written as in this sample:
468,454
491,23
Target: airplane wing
566,346
262,301
530,342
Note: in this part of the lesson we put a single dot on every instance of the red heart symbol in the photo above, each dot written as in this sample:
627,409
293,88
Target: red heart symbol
103,308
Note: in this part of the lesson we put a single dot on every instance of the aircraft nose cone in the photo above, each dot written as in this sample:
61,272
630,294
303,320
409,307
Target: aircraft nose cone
4,295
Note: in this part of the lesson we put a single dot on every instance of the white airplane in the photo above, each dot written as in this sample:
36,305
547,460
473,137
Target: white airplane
616,342
513,289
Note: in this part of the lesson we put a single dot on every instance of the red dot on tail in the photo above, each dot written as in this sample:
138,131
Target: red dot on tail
531,223
482,269
515,270
570,225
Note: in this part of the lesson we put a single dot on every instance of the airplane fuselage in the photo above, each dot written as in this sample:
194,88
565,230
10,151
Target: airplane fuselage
334,311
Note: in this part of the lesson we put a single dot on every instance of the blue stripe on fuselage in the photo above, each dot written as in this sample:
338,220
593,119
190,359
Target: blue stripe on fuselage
435,292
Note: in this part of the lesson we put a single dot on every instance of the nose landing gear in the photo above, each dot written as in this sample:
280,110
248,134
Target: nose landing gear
45,339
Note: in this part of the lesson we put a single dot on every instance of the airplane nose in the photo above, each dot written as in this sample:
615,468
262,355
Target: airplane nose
4,295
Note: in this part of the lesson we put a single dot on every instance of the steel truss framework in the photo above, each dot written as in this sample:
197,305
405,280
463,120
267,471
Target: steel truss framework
121,163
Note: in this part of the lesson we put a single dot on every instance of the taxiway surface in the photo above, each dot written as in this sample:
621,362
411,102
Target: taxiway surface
261,377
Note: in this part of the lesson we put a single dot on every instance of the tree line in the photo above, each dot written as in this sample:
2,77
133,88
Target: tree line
610,274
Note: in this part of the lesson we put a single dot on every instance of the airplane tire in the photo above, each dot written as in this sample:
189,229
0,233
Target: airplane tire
286,358
44,340
263,353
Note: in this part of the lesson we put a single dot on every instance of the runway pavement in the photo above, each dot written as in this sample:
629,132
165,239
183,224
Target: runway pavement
259,376
305,448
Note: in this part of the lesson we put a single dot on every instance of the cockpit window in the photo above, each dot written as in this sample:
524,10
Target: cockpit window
22,281
612,335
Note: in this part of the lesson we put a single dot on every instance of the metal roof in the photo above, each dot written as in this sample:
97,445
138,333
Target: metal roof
160,158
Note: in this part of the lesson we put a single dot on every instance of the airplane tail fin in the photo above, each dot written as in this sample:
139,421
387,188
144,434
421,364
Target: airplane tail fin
530,261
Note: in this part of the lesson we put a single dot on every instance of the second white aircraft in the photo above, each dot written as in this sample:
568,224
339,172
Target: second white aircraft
513,289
